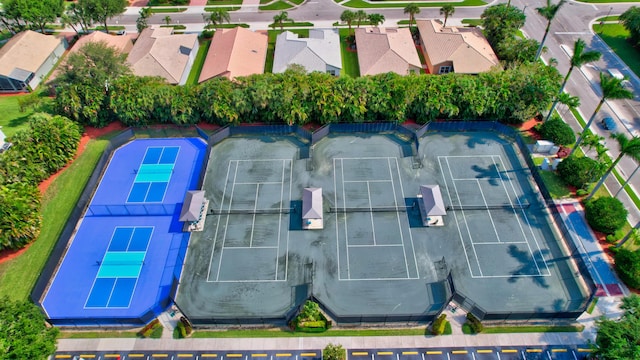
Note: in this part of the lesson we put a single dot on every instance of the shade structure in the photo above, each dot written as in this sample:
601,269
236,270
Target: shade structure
312,216
432,200
192,206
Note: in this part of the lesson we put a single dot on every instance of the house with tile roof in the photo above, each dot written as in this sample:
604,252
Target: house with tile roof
319,52
122,43
158,52
27,58
463,50
235,52
382,50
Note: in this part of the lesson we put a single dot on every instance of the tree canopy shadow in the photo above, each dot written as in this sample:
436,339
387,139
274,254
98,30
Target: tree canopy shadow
528,266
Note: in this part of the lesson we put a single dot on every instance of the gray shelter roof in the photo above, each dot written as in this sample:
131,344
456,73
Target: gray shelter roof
192,205
432,200
312,203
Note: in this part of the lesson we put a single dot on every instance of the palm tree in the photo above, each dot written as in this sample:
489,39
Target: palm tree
361,15
144,14
376,19
628,147
579,58
412,9
348,16
611,89
446,11
281,18
167,20
217,17
548,12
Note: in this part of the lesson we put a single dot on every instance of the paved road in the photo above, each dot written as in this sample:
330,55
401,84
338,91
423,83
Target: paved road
447,353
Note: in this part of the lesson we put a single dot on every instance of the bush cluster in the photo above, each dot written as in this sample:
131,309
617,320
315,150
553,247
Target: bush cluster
579,171
295,98
150,329
606,214
44,147
438,326
475,324
184,328
628,267
558,131
310,319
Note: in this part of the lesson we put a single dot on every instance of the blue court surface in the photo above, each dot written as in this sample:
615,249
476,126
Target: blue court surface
128,248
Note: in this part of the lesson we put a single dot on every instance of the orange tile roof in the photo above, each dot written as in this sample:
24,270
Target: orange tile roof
235,52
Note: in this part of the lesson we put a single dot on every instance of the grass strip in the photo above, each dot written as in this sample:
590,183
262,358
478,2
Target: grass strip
350,65
291,24
198,63
361,4
224,2
615,35
12,120
18,276
592,306
280,333
167,10
278,5
531,329
96,334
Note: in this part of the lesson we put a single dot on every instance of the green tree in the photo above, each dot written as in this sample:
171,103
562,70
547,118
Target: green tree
628,266
605,214
334,352
627,147
35,12
611,89
412,9
501,22
19,215
361,16
143,15
24,332
102,10
84,81
514,50
281,18
618,339
217,17
167,20
348,17
376,19
631,21
78,13
579,58
548,12
446,11
579,171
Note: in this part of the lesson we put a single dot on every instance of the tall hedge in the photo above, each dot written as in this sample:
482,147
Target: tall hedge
628,267
558,131
578,171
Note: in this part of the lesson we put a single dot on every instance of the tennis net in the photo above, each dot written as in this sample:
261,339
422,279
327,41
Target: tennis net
489,207
251,211
369,209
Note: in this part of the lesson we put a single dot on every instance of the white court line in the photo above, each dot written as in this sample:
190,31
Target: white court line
455,215
258,160
464,218
373,225
215,237
367,181
259,183
335,201
379,245
286,261
484,199
250,247
501,243
346,233
395,203
279,217
226,227
526,218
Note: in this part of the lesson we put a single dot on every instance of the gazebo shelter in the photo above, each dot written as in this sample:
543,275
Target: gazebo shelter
432,208
312,216
194,210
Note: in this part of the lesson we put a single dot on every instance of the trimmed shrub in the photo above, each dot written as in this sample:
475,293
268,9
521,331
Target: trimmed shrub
628,267
334,352
557,131
475,324
579,171
149,329
438,326
606,214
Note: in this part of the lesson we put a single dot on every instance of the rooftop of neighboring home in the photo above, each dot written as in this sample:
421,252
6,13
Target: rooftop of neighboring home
382,50
26,51
319,52
235,52
158,52
465,47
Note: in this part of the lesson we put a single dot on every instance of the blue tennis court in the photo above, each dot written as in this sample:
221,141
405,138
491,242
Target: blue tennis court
127,252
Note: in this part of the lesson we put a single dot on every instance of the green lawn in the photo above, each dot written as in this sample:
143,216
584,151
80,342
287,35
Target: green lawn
472,22
271,46
350,66
615,35
278,5
607,1
228,8
531,329
18,276
168,10
360,4
96,334
297,2
555,185
609,18
12,119
224,2
292,24
196,69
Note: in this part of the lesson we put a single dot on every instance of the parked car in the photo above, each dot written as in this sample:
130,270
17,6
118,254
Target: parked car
609,124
